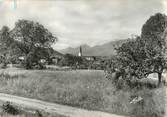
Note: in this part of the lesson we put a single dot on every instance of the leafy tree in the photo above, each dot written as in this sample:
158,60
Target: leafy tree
154,37
5,45
71,60
144,55
131,57
31,38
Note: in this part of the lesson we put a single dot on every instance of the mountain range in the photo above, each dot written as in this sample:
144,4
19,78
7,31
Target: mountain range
106,49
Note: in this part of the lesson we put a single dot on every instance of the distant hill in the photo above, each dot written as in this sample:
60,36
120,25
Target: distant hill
75,51
106,49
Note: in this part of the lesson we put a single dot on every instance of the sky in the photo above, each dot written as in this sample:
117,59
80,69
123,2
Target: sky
77,22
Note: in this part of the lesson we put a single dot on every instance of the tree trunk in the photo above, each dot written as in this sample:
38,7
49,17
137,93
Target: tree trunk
159,78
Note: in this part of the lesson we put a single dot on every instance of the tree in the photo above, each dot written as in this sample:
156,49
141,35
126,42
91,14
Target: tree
154,37
145,54
31,38
130,58
5,45
71,60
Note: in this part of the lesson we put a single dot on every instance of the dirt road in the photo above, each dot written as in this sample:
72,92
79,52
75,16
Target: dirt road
52,107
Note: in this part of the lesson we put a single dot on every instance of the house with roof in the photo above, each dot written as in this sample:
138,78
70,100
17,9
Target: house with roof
56,56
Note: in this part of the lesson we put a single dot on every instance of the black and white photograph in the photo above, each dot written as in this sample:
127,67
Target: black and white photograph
83,58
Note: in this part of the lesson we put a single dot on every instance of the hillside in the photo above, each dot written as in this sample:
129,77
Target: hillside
106,49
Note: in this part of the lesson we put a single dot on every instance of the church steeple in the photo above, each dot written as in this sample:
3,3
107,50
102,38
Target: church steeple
80,51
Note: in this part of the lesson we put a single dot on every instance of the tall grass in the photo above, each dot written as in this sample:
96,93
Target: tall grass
153,98
83,89
152,105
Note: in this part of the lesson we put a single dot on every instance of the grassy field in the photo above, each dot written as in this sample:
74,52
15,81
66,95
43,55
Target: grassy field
82,88
76,88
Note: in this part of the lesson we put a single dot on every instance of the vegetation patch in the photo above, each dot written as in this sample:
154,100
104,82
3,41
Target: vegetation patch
11,110
85,89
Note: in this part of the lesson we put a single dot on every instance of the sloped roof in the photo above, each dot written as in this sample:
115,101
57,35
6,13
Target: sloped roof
57,54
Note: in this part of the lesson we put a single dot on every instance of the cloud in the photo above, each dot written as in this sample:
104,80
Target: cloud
77,22
164,3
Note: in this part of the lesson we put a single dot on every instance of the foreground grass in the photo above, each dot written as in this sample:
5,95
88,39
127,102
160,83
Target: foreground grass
153,104
76,88
84,89
8,109
28,115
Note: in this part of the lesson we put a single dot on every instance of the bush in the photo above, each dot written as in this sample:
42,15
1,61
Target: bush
7,76
10,109
131,83
152,104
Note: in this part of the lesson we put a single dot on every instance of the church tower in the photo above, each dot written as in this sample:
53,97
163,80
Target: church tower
80,51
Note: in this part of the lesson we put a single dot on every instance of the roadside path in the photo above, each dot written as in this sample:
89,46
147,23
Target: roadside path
52,107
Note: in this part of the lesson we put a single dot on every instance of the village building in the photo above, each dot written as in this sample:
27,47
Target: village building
80,52
89,58
56,57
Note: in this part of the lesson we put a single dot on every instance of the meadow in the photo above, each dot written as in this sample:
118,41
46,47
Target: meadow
87,89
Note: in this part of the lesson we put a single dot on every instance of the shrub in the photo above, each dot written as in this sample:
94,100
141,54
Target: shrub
8,108
8,76
38,113
152,104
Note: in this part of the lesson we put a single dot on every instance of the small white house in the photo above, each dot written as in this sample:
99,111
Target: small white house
154,76
42,60
21,58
